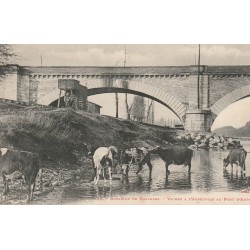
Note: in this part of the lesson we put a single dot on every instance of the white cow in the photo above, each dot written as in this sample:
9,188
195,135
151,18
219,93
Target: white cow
102,158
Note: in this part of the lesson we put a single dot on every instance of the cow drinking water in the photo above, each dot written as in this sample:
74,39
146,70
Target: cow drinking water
178,155
102,158
26,163
236,156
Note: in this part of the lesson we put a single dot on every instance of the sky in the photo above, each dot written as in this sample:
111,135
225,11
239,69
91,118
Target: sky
142,55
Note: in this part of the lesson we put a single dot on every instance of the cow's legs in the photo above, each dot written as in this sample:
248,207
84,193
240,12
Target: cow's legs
33,189
189,167
6,185
5,190
98,172
29,194
232,168
243,166
110,174
139,169
103,174
150,168
97,176
241,170
41,178
167,171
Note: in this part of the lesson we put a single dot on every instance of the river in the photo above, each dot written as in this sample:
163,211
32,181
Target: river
207,176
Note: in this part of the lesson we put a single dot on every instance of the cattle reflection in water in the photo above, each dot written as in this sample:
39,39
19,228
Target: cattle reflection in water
235,180
206,176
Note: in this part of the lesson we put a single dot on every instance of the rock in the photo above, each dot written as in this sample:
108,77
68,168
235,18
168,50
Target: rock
43,192
66,180
38,193
193,135
217,139
198,138
204,141
222,139
55,183
208,136
220,145
78,177
47,184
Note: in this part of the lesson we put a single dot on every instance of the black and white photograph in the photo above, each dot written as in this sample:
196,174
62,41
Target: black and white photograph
124,124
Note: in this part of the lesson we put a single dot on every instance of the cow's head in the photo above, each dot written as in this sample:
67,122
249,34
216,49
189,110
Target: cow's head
125,169
114,151
88,149
225,162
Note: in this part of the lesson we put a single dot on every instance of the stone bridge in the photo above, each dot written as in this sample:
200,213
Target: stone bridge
174,87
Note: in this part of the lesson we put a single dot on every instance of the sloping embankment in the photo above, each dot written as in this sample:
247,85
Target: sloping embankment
58,135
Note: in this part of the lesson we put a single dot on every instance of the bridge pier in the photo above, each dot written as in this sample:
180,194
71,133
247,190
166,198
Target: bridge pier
198,120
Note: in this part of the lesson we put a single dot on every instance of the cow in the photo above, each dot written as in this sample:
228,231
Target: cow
125,161
236,156
178,155
102,158
26,163
144,158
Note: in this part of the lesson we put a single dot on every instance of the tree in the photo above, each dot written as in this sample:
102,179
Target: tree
150,112
116,104
128,109
6,53
138,109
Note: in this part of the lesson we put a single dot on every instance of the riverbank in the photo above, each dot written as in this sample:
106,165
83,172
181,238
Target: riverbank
60,136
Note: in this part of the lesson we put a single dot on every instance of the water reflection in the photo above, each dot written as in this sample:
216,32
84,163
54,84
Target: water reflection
235,181
183,182
207,175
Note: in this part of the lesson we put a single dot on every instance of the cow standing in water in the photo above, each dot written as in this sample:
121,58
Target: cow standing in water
102,158
236,156
144,157
26,163
178,155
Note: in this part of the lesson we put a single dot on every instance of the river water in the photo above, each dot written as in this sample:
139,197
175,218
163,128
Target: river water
207,176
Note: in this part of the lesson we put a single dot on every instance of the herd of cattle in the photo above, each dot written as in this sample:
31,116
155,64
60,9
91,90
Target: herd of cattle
104,157
26,165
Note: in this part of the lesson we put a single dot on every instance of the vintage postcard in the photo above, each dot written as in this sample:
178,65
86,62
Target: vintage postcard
124,124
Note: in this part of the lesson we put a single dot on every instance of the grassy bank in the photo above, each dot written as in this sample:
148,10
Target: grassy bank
58,135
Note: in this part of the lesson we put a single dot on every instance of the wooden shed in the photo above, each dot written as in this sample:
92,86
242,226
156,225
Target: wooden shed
74,94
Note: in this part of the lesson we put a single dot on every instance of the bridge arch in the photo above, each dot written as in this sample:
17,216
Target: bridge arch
136,88
230,98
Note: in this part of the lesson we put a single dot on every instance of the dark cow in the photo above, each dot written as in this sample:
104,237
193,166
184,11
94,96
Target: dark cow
125,161
26,163
144,158
236,156
178,155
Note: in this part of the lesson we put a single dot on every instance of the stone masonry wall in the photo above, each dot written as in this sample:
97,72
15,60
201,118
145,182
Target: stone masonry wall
220,86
